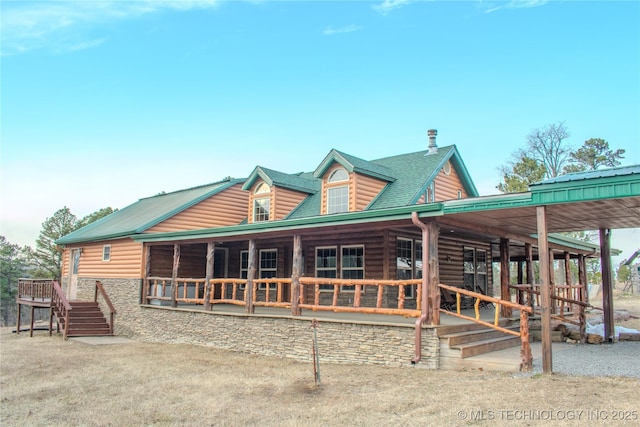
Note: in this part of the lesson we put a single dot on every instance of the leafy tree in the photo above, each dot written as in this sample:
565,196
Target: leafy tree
624,275
48,255
99,214
13,265
593,154
520,173
548,146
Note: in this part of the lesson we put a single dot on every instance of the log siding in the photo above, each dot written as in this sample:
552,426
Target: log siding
126,260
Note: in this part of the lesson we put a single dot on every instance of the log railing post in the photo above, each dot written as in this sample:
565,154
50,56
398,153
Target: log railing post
505,273
251,274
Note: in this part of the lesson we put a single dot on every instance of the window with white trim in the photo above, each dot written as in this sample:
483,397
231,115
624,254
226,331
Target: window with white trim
106,253
268,266
327,264
338,195
261,203
475,269
351,264
408,263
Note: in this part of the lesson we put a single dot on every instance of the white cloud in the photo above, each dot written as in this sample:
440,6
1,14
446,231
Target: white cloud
387,6
329,31
516,4
63,26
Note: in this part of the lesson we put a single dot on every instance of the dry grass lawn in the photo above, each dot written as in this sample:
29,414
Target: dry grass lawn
49,382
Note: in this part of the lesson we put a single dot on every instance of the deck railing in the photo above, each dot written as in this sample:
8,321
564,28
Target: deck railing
61,306
99,290
39,290
481,299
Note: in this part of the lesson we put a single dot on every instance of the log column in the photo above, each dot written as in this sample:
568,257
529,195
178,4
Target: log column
211,251
295,276
174,275
545,289
582,277
251,274
505,273
528,254
607,284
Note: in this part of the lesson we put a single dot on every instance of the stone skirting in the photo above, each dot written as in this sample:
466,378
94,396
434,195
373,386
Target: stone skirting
281,336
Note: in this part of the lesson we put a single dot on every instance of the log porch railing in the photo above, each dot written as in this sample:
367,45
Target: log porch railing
271,292
564,303
112,311
525,349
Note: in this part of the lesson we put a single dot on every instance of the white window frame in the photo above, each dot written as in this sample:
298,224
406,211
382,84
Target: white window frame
430,195
338,195
348,288
261,270
327,288
106,253
415,262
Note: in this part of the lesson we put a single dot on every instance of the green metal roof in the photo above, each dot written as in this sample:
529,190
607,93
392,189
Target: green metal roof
144,214
291,181
623,181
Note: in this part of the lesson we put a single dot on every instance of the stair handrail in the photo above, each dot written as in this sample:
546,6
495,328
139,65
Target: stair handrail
112,310
525,349
62,306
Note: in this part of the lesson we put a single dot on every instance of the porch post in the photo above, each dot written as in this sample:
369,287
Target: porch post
505,273
552,281
582,277
211,250
147,273
545,295
567,279
174,275
433,276
607,284
528,254
251,273
295,277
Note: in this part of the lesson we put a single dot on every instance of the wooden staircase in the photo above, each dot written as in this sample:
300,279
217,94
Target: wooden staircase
85,319
468,346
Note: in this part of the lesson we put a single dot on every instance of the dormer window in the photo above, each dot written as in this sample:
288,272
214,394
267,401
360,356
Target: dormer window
261,203
338,191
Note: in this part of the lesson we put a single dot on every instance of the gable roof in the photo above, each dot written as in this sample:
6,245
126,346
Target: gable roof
144,214
281,179
354,164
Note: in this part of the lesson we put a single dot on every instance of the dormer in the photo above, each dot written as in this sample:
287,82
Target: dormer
273,195
349,184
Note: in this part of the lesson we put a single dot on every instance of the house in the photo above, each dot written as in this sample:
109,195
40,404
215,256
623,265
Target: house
367,246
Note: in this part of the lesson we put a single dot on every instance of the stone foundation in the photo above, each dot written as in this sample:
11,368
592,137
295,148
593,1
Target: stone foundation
268,335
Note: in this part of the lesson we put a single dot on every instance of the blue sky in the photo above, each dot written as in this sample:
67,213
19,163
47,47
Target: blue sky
103,103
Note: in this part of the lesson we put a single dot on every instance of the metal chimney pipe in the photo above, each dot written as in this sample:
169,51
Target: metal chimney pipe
433,148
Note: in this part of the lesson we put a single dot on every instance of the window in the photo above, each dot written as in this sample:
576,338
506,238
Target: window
75,262
459,194
430,197
475,269
408,263
261,205
106,253
338,195
244,266
327,264
268,266
352,264
447,168
338,199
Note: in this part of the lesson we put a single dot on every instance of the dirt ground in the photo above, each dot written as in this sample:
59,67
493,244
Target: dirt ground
46,381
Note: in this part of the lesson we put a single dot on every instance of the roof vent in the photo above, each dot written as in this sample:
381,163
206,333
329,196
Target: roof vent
433,148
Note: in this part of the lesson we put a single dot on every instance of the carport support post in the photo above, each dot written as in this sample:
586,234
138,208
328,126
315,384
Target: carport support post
211,250
295,276
251,274
607,284
545,295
